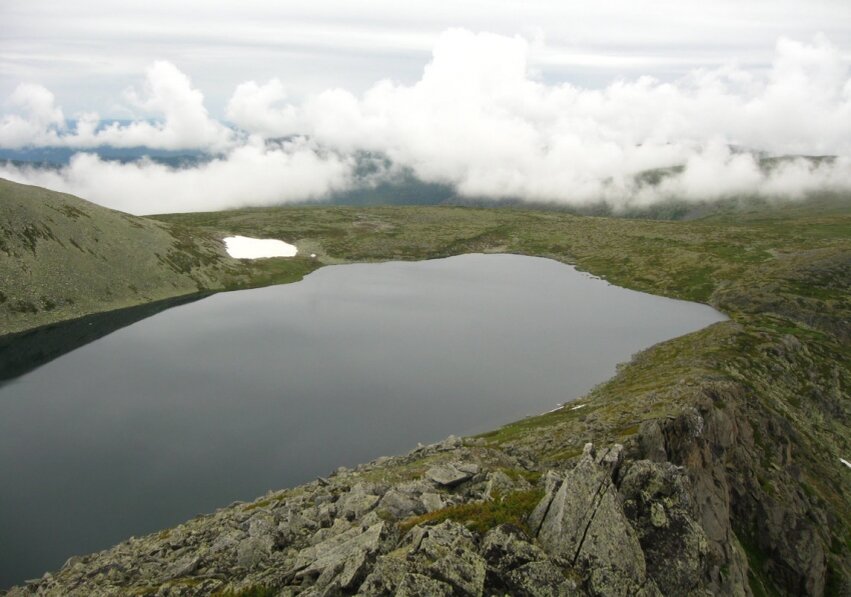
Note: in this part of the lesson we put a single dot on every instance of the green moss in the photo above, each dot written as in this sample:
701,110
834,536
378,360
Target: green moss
759,581
259,504
512,508
515,474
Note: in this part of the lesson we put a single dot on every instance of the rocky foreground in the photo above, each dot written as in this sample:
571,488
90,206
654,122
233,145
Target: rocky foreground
455,518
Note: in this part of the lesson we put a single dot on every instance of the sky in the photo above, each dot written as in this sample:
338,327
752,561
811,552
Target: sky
545,101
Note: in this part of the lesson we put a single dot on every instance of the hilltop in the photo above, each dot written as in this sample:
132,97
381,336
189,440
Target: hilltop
715,458
62,257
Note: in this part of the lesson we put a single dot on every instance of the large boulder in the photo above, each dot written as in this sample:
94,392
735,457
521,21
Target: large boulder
585,528
657,501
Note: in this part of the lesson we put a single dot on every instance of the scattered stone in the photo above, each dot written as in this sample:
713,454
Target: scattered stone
432,501
462,569
336,551
253,551
449,475
498,484
401,505
183,567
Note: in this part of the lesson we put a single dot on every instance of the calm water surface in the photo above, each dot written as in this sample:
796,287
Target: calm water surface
242,392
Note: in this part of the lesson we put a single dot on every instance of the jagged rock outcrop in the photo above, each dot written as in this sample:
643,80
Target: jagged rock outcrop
585,528
605,523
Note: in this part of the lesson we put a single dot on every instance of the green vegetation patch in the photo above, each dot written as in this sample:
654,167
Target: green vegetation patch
512,508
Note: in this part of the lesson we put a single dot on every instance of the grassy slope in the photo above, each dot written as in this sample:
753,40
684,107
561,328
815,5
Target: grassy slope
779,370
62,257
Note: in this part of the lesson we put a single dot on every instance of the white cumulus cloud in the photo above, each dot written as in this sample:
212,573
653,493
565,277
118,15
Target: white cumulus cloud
479,119
181,120
37,121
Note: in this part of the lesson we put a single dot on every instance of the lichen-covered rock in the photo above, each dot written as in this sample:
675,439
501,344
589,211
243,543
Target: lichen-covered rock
417,585
552,481
657,501
505,548
357,502
615,523
344,554
463,569
585,527
521,568
450,475
499,484
540,579
401,505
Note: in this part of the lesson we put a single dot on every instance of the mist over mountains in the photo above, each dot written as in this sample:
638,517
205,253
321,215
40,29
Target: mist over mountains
375,180
477,124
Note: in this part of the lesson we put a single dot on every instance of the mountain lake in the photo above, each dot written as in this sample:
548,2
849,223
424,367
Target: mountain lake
229,396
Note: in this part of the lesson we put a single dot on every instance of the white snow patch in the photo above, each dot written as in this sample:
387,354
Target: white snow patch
244,247
579,406
845,462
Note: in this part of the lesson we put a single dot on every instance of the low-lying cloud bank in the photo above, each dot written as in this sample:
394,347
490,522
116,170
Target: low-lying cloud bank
477,119
249,175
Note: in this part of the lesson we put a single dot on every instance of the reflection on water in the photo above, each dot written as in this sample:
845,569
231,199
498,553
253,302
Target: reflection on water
21,353
242,392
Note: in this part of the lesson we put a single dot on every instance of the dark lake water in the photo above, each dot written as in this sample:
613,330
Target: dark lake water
238,393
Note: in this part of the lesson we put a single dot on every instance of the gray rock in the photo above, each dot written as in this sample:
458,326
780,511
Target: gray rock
505,548
385,577
450,443
498,484
586,527
418,585
436,541
357,502
254,550
609,458
540,579
462,569
227,540
355,506
657,501
261,525
339,550
552,482
468,467
401,505
183,567
340,525
432,501
448,475
651,441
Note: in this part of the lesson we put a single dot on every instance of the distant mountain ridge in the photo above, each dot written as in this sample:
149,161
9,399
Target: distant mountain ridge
377,181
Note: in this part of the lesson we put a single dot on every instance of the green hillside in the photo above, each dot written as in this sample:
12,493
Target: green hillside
62,257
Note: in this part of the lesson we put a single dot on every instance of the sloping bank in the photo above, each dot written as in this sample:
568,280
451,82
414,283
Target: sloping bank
63,258
713,465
